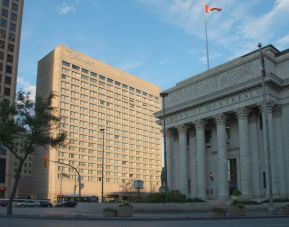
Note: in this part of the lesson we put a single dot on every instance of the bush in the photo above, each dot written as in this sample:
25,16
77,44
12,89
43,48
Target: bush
218,210
236,192
195,200
172,196
244,202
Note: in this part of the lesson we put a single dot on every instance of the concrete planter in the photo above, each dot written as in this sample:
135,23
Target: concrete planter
107,212
217,212
236,211
125,211
285,210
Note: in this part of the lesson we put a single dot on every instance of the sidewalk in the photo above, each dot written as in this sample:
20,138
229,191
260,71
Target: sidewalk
72,213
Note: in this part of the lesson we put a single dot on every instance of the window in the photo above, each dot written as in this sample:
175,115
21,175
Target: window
4,12
11,37
84,70
93,74
14,16
10,58
6,3
3,23
101,77
117,83
11,47
8,80
9,69
65,63
109,80
2,33
1,55
2,44
75,67
7,91
15,7
13,27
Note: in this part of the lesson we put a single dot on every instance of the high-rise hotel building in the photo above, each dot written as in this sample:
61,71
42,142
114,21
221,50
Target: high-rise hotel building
10,30
92,97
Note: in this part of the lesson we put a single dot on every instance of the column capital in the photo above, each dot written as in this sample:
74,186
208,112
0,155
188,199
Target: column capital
220,119
169,132
269,106
278,111
242,113
199,124
182,129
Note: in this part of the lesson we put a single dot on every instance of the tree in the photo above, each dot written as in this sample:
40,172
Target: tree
35,123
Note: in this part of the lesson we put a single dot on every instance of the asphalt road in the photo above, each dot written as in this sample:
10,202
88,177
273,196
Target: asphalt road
258,222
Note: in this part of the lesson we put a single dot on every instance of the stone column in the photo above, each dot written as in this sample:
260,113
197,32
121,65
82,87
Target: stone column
193,164
175,161
201,159
170,166
222,174
245,167
280,158
255,159
275,183
183,174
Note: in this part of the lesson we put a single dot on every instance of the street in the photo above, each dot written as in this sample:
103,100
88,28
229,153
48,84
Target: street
258,222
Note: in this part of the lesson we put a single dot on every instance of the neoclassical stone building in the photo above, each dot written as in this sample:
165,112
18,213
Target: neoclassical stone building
215,129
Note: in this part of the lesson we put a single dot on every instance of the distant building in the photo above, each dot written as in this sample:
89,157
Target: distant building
10,30
215,129
94,96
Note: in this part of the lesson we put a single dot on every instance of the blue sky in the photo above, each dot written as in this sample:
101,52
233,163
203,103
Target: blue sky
160,41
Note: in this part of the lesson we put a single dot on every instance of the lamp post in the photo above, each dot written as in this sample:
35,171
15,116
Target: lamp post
267,137
166,188
79,178
102,165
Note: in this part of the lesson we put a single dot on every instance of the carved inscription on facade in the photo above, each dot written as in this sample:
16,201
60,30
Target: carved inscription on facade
212,106
218,82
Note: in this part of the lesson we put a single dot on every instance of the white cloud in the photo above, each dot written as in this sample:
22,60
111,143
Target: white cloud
25,85
283,42
65,8
165,61
203,60
129,66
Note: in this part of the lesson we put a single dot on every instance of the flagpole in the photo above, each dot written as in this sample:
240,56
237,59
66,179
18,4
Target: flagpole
207,45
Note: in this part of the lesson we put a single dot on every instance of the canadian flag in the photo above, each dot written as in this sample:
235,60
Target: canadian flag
207,9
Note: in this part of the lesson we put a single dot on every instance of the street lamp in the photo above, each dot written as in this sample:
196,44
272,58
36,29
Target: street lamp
79,177
102,166
165,186
267,137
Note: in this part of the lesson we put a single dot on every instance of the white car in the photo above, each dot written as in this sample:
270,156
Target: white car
28,203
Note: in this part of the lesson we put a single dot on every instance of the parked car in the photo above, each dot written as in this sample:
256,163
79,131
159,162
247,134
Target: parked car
66,204
45,203
3,202
28,203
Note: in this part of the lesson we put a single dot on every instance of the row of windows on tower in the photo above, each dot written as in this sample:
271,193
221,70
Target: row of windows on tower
5,13
14,4
4,23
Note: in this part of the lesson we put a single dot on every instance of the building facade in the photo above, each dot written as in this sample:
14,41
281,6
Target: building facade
10,30
92,97
215,129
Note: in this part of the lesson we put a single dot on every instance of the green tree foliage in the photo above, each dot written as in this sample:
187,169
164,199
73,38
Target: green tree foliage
34,123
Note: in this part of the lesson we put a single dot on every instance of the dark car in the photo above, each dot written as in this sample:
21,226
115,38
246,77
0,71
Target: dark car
45,203
3,202
66,204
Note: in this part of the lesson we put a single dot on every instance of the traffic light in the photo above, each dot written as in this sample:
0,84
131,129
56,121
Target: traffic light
45,161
